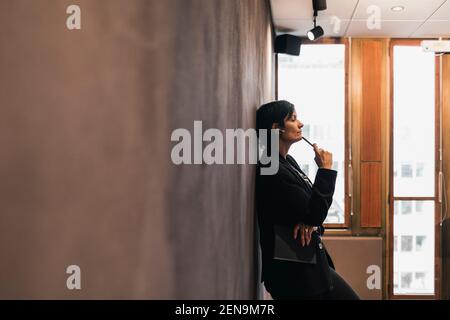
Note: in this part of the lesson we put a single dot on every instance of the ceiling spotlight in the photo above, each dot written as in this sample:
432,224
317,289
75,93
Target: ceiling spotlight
315,33
397,8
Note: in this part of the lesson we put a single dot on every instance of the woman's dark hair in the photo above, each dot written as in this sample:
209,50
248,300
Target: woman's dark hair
273,112
270,113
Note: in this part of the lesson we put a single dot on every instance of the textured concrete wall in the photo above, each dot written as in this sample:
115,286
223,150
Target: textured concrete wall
85,170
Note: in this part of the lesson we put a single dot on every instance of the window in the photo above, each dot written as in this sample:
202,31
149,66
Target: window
335,166
404,133
330,132
406,280
407,243
414,253
420,241
406,171
318,132
323,115
413,188
396,280
413,103
305,168
406,207
306,130
419,169
419,283
419,207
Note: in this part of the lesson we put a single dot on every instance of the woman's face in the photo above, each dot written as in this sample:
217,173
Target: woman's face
292,129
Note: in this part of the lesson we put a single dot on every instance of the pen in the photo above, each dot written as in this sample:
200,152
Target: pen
308,142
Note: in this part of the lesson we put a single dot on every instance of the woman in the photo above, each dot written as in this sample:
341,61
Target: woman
290,199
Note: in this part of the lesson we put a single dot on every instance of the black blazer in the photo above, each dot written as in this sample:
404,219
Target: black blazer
286,199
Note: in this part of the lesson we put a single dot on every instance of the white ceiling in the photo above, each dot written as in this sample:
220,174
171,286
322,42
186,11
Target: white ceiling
352,18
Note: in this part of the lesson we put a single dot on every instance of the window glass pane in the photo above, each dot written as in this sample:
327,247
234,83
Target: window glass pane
419,170
419,207
406,280
419,281
406,207
406,171
305,168
420,243
407,243
413,171
395,280
414,122
415,251
303,81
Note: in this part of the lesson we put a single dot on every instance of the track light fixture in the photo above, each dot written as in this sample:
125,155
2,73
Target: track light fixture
317,31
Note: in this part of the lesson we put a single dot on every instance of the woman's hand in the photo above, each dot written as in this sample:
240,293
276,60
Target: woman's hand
305,233
324,159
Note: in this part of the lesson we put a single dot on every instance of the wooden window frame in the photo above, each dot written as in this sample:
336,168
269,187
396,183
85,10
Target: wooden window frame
437,258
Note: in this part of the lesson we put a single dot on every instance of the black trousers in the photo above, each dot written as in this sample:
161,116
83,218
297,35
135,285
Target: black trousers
341,291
